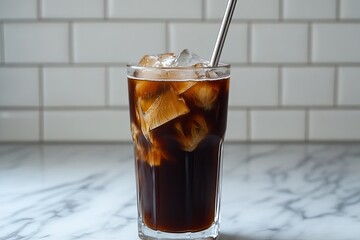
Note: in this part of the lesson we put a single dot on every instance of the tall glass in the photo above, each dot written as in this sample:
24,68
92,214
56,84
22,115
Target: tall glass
178,121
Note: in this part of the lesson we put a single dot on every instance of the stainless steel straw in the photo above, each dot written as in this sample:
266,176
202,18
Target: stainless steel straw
222,33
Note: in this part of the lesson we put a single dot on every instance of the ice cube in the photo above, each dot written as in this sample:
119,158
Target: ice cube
182,86
146,92
141,143
166,59
154,156
146,151
135,132
158,60
191,133
150,61
149,89
188,59
165,108
143,124
153,73
211,74
203,94
181,74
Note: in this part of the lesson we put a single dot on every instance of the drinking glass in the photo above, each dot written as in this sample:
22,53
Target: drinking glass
178,119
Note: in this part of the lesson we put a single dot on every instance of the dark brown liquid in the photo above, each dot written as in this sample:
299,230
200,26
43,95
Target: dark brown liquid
179,193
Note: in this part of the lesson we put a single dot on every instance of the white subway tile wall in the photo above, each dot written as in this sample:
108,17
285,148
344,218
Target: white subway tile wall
295,65
245,9
116,42
164,9
277,125
36,42
86,125
334,125
279,43
74,86
19,126
18,9
350,9
254,86
237,126
202,40
304,86
72,9
336,43
349,85
19,86
309,9
118,93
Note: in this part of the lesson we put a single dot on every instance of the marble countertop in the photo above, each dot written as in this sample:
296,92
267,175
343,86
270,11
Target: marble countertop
272,192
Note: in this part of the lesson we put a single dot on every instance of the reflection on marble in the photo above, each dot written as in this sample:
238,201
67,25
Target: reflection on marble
272,192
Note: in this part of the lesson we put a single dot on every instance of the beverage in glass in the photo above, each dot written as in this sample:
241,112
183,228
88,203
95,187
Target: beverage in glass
178,111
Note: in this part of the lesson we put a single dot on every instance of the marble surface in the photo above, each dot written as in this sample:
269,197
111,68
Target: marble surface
277,192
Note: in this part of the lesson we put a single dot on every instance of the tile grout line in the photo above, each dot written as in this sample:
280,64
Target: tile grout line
41,104
71,43
2,41
248,129
107,86
309,42
280,86
281,10
249,44
203,10
336,86
176,20
338,10
39,9
106,6
307,129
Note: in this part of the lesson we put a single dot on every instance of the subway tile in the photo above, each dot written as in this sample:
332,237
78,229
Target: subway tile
105,125
308,86
160,9
349,86
236,129
18,9
118,89
19,86
277,125
1,44
309,9
334,125
200,38
253,86
117,42
245,9
336,43
278,43
19,126
72,9
350,9
36,42
74,86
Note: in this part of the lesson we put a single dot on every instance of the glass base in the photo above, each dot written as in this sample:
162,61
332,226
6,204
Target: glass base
146,233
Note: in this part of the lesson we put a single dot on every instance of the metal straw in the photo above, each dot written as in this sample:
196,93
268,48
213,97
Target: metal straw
222,33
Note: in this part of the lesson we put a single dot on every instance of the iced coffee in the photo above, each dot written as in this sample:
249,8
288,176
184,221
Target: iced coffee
178,111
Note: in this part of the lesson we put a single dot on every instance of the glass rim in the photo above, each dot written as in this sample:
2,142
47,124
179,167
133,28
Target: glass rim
134,65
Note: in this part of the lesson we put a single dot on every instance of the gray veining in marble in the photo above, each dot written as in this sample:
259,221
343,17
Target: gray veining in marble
270,192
